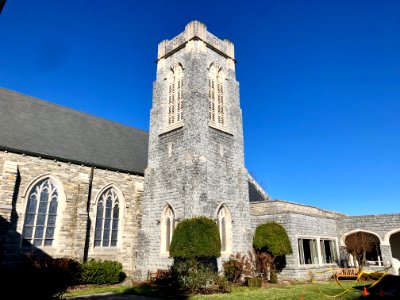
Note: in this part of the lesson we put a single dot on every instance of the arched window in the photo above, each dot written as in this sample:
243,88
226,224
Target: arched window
225,228
216,106
175,95
167,228
41,214
107,218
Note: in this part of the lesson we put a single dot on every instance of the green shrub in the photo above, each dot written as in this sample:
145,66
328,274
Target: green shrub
102,272
193,276
253,282
195,238
273,277
272,237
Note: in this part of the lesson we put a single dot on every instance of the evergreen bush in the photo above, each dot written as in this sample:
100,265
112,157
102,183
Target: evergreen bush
102,272
273,277
272,243
195,246
272,237
196,238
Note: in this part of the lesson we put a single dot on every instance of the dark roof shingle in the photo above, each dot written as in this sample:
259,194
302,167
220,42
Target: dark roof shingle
38,127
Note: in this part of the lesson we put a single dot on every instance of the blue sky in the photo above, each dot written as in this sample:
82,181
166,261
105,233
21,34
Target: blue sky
319,82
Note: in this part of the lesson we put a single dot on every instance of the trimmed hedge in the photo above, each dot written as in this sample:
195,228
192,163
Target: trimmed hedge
196,238
97,271
272,237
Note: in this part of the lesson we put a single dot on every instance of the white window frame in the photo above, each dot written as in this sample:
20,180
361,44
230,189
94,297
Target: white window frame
316,260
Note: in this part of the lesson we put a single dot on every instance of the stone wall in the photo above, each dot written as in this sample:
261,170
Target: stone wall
75,217
300,222
383,226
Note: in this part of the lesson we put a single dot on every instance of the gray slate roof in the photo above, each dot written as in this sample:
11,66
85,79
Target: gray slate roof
33,126
254,194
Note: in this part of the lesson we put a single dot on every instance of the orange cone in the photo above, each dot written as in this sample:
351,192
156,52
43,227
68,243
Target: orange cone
365,293
381,293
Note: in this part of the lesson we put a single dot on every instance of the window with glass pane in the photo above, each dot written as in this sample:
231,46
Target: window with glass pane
107,219
222,228
41,214
167,230
308,251
328,251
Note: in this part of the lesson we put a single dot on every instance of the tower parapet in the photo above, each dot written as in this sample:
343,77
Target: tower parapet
196,30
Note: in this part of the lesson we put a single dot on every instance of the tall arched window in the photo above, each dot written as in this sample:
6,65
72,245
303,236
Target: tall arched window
216,106
41,214
167,228
107,218
175,95
225,228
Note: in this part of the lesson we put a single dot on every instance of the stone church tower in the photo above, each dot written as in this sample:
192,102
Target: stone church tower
196,160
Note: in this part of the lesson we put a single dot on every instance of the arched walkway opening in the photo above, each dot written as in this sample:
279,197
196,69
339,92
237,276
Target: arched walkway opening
395,246
363,249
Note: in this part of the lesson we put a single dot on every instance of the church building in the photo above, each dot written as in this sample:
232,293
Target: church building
76,185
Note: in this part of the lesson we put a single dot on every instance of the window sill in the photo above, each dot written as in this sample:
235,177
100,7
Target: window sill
99,249
225,253
171,128
312,266
219,128
164,254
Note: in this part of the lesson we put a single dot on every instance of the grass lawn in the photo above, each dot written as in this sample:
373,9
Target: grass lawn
270,291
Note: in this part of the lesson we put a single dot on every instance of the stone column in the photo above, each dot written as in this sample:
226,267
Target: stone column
386,252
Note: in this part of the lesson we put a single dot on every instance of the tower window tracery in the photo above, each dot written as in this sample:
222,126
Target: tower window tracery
175,95
216,105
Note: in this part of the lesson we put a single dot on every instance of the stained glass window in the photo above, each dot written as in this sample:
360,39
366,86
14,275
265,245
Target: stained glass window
41,214
107,219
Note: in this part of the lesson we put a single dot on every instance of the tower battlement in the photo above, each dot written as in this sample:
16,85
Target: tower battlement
196,30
